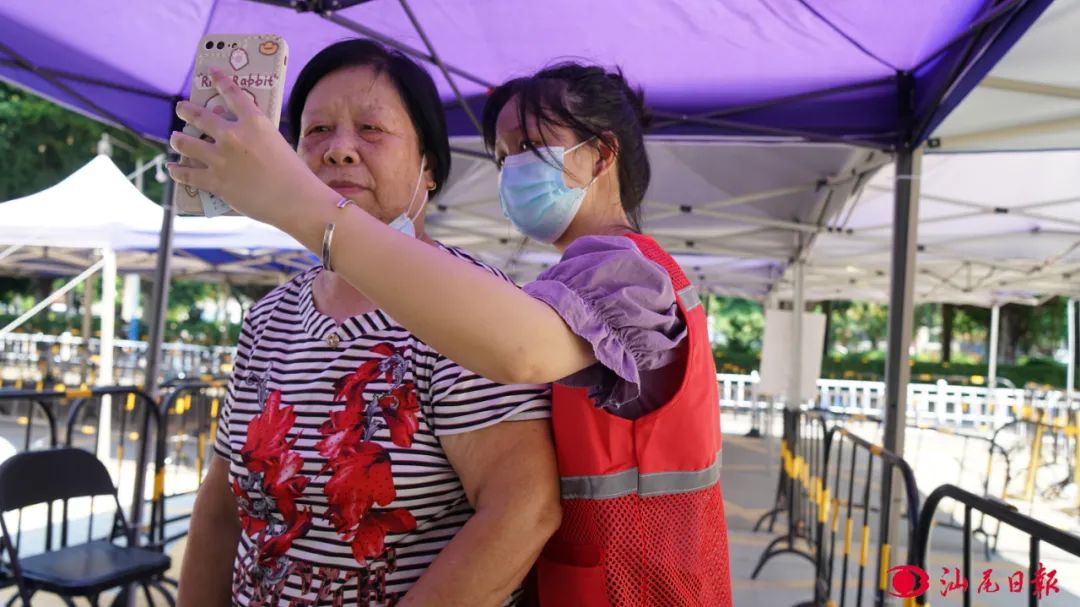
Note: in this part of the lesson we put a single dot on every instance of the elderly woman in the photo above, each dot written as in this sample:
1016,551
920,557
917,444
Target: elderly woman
616,324
355,464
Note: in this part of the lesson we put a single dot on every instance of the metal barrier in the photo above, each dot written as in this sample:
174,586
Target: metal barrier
189,419
819,491
33,406
67,358
803,451
830,507
993,450
1039,431
178,432
139,425
1038,532
830,418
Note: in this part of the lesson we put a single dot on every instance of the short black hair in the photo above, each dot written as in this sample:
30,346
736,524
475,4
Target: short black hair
413,83
594,103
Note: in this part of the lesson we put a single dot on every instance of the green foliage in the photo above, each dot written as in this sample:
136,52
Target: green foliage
855,322
738,323
871,367
1035,372
1046,327
183,319
971,322
42,143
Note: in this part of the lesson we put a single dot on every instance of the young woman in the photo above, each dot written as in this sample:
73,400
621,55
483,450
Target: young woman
615,324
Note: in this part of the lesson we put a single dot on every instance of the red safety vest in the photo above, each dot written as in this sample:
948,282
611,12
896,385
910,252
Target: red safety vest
643,514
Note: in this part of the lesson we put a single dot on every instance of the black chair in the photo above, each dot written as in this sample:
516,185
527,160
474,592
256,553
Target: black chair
83,570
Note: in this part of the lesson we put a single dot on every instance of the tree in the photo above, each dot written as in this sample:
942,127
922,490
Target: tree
948,313
826,346
42,143
856,322
739,322
1046,328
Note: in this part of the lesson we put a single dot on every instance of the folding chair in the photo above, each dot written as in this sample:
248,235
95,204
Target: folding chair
83,570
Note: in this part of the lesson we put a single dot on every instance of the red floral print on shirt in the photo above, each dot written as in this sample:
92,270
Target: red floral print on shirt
360,477
267,432
360,469
267,496
399,411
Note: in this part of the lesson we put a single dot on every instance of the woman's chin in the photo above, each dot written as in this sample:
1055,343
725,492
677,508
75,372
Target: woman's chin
351,192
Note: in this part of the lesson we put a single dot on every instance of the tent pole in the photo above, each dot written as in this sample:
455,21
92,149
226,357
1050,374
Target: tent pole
105,356
901,316
442,66
87,327
995,332
798,304
48,301
159,303
10,250
159,300
160,296
1070,367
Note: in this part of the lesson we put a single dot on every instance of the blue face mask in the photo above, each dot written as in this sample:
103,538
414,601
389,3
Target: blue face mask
534,196
404,223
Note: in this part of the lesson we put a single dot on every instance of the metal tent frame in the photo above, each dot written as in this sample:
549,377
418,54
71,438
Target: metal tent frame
962,62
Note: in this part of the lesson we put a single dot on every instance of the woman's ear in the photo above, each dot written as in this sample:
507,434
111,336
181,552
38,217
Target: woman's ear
608,148
429,172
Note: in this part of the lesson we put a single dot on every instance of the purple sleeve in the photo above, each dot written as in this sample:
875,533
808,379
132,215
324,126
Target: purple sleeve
623,304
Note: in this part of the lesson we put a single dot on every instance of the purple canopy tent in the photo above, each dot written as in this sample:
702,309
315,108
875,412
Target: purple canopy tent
874,73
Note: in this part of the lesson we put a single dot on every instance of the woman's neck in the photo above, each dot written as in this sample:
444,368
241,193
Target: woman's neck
603,216
338,299
335,297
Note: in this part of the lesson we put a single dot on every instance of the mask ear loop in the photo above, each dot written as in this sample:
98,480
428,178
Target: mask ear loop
419,178
571,149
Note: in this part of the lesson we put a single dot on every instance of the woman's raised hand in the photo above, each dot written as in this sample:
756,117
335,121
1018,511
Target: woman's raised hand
247,163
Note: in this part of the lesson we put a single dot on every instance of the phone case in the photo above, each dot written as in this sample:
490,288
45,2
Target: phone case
255,62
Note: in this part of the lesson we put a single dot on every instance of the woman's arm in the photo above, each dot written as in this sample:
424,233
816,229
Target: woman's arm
510,477
483,323
206,574
469,315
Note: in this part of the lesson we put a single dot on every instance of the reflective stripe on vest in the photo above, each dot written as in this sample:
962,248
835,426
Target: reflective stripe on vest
689,297
618,484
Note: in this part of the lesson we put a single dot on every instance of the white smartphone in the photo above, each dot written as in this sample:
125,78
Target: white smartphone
257,63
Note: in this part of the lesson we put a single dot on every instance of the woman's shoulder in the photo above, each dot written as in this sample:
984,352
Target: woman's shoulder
600,243
464,255
614,261
290,290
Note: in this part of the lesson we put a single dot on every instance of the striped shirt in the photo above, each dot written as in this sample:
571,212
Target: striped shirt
332,434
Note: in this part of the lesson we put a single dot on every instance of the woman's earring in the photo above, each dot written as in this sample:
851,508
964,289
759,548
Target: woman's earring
431,188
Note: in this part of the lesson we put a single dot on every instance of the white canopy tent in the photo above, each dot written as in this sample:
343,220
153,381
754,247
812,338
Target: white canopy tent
1031,98
63,229
998,207
96,220
734,215
994,228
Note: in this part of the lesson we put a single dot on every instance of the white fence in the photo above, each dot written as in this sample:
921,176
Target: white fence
30,358
33,358
940,404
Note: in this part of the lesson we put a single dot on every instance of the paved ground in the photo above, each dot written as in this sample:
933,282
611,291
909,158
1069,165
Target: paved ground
749,479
